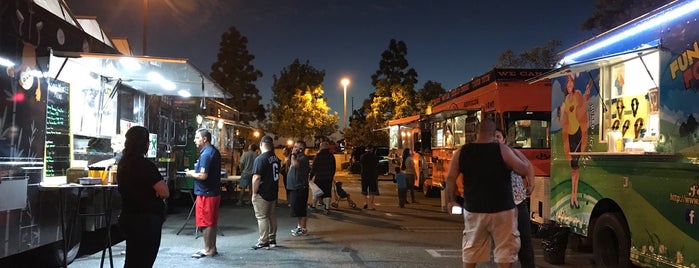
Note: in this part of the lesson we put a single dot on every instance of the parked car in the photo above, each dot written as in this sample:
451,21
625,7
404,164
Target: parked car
381,152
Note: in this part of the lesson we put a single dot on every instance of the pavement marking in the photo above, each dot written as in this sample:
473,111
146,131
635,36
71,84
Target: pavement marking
444,253
432,229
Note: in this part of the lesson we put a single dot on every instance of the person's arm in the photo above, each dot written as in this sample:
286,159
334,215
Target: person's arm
255,183
452,175
529,178
515,163
161,190
197,176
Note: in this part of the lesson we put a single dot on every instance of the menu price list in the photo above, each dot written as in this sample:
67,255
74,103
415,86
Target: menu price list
57,129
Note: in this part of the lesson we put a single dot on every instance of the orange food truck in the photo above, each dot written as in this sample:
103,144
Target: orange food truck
520,109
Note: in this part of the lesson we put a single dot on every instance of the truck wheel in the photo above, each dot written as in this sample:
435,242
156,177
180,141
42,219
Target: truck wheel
611,241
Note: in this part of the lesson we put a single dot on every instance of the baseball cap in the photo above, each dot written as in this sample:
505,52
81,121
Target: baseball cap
267,139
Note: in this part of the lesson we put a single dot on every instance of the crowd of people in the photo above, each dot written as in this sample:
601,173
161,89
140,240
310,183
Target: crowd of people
496,179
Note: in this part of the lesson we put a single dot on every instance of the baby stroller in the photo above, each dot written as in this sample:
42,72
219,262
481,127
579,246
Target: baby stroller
341,195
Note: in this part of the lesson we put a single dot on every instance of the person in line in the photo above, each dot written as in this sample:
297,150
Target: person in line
370,177
520,187
323,170
297,186
402,186
207,188
246,161
393,161
143,193
284,171
265,191
408,167
488,209
574,124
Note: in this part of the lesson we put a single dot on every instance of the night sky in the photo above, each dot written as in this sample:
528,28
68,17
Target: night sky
448,41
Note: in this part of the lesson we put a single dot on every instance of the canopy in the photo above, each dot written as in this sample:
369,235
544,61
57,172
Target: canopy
593,64
151,75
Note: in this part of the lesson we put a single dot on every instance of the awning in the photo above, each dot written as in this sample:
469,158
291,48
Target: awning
593,64
414,120
150,75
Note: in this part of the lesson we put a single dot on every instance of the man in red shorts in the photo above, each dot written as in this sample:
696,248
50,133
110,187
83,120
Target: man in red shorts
207,188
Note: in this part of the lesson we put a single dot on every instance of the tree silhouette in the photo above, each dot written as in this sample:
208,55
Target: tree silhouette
235,73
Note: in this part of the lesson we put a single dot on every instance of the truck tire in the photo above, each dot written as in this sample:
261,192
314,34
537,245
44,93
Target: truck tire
611,241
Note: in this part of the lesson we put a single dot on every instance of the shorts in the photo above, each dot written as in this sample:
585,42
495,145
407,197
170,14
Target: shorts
245,181
298,200
482,228
206,214
370,186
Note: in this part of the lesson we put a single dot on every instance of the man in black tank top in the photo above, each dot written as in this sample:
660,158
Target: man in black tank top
489,209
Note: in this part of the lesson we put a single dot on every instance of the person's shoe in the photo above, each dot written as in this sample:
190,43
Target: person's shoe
366,206
273,243
259,246
300,232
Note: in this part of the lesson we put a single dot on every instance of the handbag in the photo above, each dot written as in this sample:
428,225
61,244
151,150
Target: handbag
315,190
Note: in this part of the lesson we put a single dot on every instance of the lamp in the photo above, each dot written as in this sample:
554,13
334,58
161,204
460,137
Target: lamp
345,82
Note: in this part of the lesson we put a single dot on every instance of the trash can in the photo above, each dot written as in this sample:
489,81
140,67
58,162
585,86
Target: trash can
554,241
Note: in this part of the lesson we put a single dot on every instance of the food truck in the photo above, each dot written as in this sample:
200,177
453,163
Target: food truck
519,108
625,140
67,92
412,133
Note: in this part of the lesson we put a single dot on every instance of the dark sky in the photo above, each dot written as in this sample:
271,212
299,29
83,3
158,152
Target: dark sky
448,41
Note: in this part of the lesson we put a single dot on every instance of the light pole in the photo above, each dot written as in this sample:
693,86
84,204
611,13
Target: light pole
145,25
345,82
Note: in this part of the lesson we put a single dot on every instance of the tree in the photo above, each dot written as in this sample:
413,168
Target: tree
365,130
298,108
538,57
235,73
608,14
429,91
394,83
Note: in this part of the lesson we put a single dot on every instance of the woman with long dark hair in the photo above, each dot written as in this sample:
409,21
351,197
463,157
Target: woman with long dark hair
143,193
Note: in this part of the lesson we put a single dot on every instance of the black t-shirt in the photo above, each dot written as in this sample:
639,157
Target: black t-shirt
267,166
370,163
136,180
486,178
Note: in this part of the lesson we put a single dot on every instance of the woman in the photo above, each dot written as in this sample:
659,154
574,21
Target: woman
143,193
520,187
574,124
408,167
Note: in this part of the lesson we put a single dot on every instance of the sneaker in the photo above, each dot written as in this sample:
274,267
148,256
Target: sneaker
300,232
273,243
259,246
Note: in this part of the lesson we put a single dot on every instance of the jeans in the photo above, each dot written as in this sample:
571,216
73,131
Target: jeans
526,250
266,218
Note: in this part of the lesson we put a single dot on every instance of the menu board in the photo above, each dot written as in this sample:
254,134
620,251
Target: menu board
57,129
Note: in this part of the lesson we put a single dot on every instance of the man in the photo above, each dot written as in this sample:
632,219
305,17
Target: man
297,184
323,170
265,188
246,162
370,177
489,209
207,188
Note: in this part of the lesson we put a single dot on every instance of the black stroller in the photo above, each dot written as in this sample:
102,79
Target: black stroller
341,195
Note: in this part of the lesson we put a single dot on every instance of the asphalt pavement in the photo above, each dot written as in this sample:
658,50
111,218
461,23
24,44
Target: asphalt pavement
420,235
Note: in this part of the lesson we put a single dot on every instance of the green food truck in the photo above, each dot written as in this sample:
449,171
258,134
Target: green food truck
625,140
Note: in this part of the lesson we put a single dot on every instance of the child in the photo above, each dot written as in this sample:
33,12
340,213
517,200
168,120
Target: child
402,185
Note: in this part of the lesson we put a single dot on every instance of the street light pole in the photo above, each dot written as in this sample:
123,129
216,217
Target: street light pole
345,82
145,25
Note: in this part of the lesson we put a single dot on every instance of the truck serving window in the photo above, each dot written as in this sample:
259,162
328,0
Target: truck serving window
528,130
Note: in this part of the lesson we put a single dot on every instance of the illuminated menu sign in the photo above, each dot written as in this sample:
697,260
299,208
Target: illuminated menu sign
57,129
